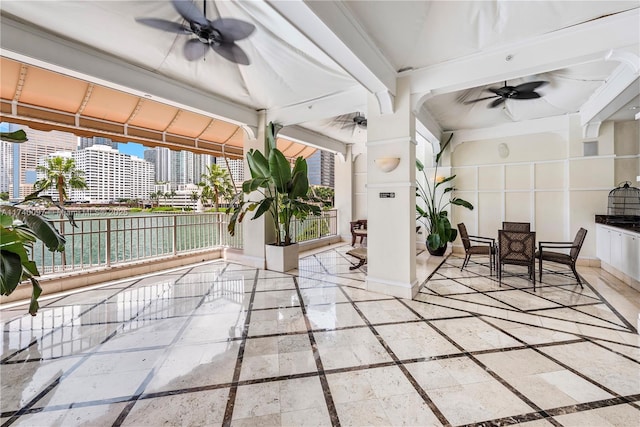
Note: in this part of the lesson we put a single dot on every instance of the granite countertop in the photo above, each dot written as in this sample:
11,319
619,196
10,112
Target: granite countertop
625,222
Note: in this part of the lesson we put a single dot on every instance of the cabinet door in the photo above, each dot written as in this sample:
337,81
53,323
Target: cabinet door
616,250
631,255
603,243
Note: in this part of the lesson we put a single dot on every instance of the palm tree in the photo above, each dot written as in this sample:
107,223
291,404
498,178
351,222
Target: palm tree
154,197
194,198
216,183
60,173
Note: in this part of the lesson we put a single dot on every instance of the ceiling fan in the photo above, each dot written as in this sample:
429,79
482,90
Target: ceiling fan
521,91
355,120
219,34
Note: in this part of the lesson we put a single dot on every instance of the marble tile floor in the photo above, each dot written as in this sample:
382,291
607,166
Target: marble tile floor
223,344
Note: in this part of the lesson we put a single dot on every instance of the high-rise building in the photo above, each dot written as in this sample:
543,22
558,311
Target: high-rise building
161,159
236,169
110,175
182,168
142,178
321,168
96,140
27,155
200,164
6,167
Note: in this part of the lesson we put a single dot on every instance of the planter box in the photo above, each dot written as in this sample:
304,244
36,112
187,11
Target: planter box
281,258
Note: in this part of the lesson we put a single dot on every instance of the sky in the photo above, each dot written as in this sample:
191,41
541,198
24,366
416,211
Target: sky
132,148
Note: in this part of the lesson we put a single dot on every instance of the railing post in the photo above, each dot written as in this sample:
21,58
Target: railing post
108,242
175,234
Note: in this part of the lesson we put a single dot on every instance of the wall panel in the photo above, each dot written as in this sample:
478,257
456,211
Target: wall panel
518,177
518,207
550,215
550,176
489,213
490,178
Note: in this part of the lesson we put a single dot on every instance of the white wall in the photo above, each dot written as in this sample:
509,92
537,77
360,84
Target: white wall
545,180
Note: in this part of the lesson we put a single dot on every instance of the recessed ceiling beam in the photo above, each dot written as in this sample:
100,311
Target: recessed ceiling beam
330,26
308,137
346,102
587,42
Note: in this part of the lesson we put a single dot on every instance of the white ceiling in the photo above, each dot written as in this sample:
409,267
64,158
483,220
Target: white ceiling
314,61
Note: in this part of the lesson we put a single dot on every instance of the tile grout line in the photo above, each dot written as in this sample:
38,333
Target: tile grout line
396,362
75,366
326,390
485,368
524,312
233,390
145,382
560,363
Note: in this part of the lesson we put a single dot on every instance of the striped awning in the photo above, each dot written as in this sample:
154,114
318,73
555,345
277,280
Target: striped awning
46,100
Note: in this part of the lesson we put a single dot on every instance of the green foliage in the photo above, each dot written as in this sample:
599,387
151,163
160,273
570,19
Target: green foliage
4,196
433,215
18,136
19,229
215,184
325,195
60,173
283,189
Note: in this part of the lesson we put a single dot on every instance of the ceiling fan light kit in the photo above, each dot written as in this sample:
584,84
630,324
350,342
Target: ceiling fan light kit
220,34
521,91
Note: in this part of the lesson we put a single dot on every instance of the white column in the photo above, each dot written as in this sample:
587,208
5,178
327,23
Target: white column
255,232
343,199
391,198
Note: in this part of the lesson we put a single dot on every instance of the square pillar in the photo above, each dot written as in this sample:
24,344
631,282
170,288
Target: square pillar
391,198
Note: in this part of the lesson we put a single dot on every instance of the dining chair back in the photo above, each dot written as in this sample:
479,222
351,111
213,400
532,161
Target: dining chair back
548,251
517,248
477,245
516,226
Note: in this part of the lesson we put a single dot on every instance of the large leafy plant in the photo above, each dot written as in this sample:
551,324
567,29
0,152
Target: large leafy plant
283,188
434,215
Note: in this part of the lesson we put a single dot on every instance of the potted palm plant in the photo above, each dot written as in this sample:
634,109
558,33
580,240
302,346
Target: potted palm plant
434,215
284,197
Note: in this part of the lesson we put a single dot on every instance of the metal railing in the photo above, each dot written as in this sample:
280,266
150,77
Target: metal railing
99,242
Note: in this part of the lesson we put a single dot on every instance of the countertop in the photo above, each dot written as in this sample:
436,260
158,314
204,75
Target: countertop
629,223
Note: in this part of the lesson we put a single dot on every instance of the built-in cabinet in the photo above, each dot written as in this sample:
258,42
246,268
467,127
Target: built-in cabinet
619,249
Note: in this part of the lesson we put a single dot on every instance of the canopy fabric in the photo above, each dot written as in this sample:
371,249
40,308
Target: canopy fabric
46,100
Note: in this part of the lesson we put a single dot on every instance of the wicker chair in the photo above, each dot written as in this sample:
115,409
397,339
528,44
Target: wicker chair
516,226
485,246
517,248
358,229
543,254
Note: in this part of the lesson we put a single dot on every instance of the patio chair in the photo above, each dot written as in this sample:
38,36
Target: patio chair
543,254
516,226
360,254
485,246
517,248
358,229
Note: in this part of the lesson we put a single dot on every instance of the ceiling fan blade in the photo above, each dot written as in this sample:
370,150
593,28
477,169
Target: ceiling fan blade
232,52
530,86
161,24
190,12
194,49
233,29
496,102
481,99
527,95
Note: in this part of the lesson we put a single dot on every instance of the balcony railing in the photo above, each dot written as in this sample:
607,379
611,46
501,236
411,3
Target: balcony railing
99,242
